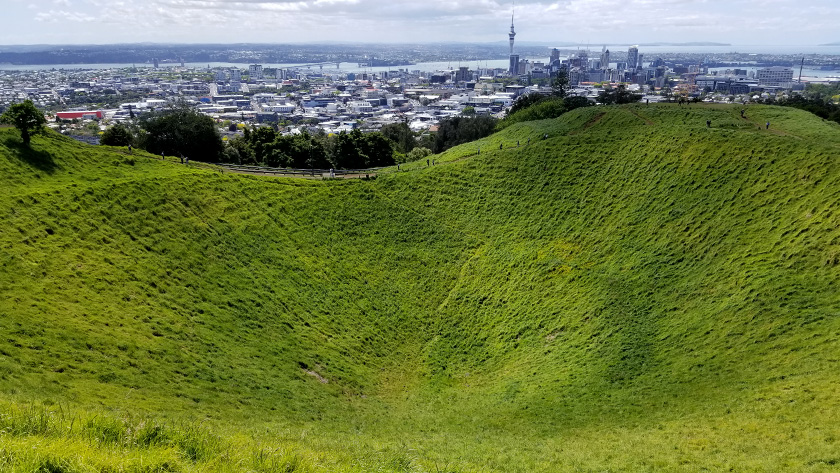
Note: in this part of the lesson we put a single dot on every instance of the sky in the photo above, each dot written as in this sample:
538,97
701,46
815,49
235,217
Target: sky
751,22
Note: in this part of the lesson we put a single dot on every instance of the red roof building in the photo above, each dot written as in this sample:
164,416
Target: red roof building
84,115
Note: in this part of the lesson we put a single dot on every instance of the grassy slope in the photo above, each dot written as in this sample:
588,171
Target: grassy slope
637,292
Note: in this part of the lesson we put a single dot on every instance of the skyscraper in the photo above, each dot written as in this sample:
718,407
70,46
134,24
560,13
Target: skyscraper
514,64
633,58
605,58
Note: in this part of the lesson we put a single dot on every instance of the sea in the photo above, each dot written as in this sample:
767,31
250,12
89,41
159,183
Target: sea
648,51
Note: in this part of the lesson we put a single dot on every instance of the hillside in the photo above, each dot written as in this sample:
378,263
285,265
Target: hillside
635,292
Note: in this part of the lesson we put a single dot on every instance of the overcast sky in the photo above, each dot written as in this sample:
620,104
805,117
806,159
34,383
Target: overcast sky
752,22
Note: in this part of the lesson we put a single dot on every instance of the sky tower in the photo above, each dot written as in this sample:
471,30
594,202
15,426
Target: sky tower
514,58
512,33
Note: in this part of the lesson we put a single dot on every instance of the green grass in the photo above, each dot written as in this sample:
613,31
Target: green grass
637,292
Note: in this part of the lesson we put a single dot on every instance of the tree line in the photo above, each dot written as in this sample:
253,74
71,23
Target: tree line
819,99
180,130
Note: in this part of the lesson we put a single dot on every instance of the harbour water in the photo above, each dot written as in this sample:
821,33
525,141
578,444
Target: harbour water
649,51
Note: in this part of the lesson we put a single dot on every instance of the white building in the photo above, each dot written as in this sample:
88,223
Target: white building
359,107
775,76
280,108
255,72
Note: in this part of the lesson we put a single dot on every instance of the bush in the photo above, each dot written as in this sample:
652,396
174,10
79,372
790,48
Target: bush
117,135
547,107
418,153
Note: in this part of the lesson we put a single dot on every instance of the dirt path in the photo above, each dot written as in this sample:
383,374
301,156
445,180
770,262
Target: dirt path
642,117
592,122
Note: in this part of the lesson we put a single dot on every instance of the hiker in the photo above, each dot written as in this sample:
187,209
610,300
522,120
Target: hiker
767,126
529,140
427,162
161,156
398,167
545,137
517,143
187,160
182,159
500,145
742,113
332,171
129,149
708,123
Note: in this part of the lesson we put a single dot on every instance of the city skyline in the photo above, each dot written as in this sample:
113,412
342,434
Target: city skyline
274,21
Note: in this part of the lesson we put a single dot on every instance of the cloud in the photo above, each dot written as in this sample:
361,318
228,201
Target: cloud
55,16
744,21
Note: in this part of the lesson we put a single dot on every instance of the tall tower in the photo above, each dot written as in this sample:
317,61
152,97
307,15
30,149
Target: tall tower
514,58
512,33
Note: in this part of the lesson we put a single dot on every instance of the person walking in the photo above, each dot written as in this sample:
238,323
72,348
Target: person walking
708,123
767,126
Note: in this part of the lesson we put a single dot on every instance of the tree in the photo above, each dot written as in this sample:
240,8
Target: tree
456,130
346,153
401,135
377,148
618,95
260,141
181,130
117,135
525,101
560,84
26,118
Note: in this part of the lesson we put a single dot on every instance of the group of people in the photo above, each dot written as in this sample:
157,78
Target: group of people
184,159
744,116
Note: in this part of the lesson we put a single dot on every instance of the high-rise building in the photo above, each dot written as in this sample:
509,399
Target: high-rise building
555,55
605,58
633,58
514,64
255,72
775,76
